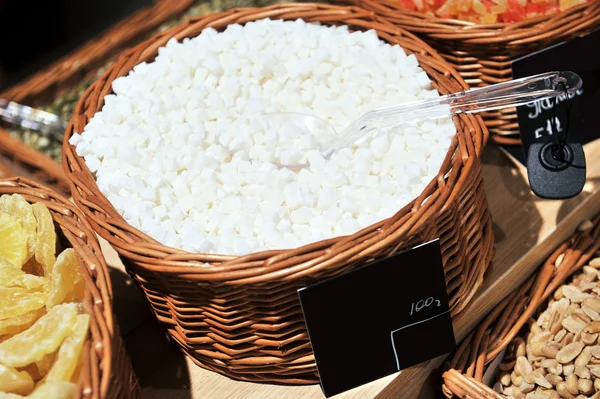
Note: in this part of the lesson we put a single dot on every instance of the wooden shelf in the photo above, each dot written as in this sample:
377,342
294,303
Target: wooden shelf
526,228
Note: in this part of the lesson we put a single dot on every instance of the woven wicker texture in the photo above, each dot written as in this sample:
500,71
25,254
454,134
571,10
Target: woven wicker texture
16,159
498,329
241,316
106,371
482,54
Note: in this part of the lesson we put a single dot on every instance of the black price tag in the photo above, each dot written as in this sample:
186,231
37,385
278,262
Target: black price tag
379,319
581,56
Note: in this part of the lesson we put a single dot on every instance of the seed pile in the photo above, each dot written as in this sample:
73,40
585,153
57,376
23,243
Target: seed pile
184,153
560,355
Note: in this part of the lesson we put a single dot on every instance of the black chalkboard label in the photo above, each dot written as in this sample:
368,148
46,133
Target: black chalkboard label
580,55
379,319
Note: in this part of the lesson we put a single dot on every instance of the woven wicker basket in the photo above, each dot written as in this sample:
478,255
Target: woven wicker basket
482,54
464,379
106,372
241,317
16,159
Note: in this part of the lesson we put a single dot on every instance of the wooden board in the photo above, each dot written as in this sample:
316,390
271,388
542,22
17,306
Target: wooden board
526,228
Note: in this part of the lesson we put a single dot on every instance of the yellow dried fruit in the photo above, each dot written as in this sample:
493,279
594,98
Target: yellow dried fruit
54,390
45,239
14,381
18,301
13,241
16,324
13,277
15,205
45,336
68,354
10,396
67,281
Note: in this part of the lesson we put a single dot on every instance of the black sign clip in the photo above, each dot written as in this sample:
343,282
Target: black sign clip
555,164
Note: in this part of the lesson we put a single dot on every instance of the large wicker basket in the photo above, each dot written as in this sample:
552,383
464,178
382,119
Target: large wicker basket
496,331
482,54
16,159
241,317
106,372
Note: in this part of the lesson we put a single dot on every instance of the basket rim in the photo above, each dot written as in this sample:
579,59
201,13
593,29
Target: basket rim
252,268
501,33
98,372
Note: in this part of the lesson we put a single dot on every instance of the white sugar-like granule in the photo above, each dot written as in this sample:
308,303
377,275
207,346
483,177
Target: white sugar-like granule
185,154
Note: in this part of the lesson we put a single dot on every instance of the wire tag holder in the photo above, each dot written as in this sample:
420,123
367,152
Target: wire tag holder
556,164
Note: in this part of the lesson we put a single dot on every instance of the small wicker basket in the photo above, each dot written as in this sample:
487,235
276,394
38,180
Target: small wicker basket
16,159
241,317
106,372
468,366
482,54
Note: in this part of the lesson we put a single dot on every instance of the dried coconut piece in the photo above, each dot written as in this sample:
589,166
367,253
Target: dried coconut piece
15,325
18,301
45,239
45,336
14,381
67,281
67,358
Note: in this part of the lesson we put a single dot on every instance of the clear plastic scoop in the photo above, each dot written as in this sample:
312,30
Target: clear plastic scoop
502,95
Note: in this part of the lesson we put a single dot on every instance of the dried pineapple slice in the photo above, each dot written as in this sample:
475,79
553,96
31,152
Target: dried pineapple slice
45,242
68,354
18,301
15,205
13,240
12,277
16,324
14,381
67,281
53,390
4,395
44,337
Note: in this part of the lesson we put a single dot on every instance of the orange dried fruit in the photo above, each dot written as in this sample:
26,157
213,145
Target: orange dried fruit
67,281
15,325
16,206
13,277
68,354
45,239
43,337
478,7
54,390
18,301
14,381
13,240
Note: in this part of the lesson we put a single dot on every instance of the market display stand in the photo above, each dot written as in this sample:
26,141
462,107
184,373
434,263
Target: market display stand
527,229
